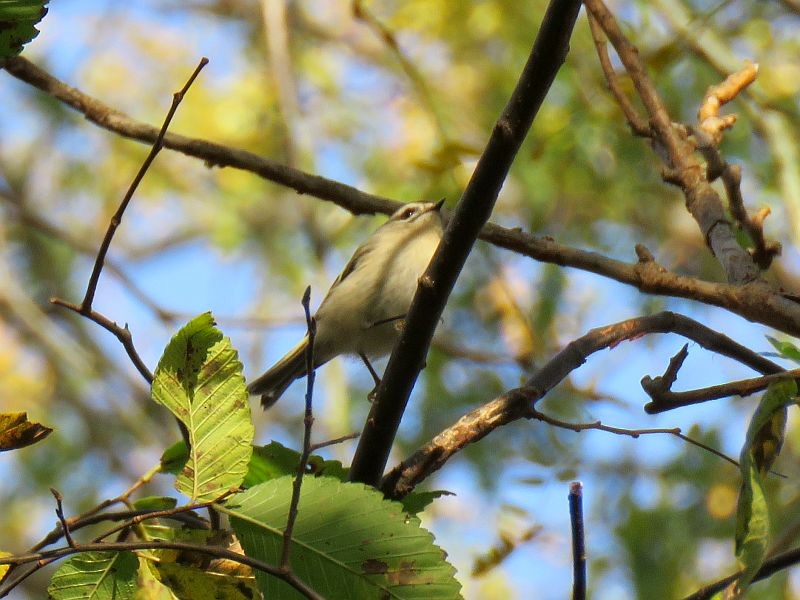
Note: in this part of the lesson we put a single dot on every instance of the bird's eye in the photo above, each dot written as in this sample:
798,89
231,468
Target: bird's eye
406,213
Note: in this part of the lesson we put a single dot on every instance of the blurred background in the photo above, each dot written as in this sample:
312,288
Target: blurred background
398,99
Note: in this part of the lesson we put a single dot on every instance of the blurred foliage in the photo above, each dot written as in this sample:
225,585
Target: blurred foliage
339,101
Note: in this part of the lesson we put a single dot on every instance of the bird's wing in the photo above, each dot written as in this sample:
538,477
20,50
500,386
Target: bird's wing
351,265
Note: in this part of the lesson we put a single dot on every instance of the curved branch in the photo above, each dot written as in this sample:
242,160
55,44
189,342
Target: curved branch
517,403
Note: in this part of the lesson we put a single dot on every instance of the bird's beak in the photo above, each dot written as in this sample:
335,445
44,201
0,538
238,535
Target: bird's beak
438,206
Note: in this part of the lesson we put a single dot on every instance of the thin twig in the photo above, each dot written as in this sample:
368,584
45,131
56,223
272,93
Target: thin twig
637,123
215,551
85,307
471,214
94,278
308,421
333,442
61,518
633,433
578,541
123,334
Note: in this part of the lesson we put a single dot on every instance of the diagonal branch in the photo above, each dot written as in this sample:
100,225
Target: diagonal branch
517,403
472,213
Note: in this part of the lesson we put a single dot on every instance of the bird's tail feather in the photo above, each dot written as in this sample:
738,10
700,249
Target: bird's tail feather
280,376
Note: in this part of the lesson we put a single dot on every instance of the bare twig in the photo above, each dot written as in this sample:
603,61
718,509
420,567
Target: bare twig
578,541
333,442
633,433
517,403
308,421
60,514
94,278
637,123
472,213
664,399
123,334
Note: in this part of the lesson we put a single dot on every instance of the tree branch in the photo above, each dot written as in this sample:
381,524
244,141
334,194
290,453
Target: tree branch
520,402
754,302
214,551
683,167
471,214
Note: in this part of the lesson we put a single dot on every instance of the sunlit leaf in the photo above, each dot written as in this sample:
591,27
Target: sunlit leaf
199,379
348,542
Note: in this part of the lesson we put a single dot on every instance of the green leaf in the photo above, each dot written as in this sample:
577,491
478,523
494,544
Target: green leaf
17,20
348,542
174,458
276,460
199,379
415,502
785,349
155,503
96,576
762,445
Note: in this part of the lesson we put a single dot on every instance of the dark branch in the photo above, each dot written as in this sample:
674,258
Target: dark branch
578,541
769,568
471,214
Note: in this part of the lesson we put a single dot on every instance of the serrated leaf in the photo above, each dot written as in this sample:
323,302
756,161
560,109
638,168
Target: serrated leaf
199,379
96,576
785,349
17,432
276,460
348,542
762,445
17,20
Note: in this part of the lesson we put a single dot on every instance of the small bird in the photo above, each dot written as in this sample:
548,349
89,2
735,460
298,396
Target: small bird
362,312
